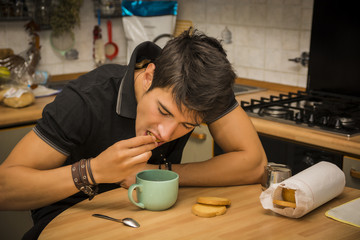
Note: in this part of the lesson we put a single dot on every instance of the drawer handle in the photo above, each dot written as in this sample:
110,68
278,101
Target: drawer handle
200,136
354,173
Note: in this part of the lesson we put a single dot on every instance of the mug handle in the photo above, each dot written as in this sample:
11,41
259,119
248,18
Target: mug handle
130,195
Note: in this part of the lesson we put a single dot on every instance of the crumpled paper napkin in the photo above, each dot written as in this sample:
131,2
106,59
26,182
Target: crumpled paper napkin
314,186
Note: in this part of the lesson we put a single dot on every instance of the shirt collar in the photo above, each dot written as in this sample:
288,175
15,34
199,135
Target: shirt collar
126,101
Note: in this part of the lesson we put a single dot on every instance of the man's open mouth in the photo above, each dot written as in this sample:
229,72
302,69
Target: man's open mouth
151,134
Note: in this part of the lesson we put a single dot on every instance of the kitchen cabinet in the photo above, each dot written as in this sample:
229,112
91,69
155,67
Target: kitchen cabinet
199,146
9,137
351,168
13,223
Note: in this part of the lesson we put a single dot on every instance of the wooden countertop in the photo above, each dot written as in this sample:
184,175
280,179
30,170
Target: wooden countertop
351,147
22,116
29,115
244,219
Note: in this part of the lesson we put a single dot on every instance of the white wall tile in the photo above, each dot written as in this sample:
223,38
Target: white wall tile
273,59
241,36
256,37
291,17
257,15
274,16
264,34
273,38
256,57
255,73
290,39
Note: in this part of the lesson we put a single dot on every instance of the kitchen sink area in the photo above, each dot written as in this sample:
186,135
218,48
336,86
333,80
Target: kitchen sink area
244,89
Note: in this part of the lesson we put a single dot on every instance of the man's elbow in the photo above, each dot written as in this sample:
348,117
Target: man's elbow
258,167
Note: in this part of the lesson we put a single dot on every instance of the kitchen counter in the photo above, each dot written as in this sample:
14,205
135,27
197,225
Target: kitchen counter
22,116
244,219
29,115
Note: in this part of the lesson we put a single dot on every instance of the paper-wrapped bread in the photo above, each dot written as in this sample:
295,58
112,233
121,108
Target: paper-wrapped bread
312,187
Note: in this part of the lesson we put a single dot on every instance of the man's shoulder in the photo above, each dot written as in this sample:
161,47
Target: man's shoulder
105,72
100,78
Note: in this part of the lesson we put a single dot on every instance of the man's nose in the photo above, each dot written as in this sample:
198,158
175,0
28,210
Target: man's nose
167,129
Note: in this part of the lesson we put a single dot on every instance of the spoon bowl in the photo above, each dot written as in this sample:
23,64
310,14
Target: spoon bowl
126,221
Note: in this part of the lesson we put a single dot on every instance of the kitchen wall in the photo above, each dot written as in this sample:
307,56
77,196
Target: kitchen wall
265,34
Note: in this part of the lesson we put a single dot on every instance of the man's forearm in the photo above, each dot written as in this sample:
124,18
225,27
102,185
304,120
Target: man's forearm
23,188
234,168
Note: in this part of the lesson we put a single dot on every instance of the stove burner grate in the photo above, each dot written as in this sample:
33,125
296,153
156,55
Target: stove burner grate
336,115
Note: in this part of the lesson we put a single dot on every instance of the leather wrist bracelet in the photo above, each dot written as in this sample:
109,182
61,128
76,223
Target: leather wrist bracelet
80,178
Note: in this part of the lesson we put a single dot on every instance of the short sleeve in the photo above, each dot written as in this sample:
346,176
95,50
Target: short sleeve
65,122
233,104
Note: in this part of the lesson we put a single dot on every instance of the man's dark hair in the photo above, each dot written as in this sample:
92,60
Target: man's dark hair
194,66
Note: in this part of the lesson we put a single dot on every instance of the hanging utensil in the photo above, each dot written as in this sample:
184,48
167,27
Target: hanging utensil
111,49
99,50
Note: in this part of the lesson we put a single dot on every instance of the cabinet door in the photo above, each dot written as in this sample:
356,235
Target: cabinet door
351,168
9,137
199,146
13,223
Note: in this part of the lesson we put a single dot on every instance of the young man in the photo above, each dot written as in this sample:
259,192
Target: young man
124,119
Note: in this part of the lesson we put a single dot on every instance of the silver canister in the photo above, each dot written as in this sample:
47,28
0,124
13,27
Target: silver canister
274,173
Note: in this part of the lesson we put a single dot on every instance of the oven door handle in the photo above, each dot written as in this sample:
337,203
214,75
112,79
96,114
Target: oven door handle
199,136
354,173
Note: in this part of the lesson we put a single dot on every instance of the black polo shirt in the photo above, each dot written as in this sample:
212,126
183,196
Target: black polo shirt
89,115
92,113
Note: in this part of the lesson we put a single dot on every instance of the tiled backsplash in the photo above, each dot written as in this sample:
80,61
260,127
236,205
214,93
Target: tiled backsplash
265,34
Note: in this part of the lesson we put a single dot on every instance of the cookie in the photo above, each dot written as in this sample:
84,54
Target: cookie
215,201
208,211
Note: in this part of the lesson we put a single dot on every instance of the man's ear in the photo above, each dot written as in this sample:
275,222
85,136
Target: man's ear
149,75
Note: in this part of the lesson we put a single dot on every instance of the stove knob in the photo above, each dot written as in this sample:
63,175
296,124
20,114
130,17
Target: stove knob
324,120
311,119
338,123
298,117
289,115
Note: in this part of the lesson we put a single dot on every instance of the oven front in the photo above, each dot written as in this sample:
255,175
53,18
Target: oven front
297,156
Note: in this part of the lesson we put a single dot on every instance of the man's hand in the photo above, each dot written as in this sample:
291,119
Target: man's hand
131,179
122,159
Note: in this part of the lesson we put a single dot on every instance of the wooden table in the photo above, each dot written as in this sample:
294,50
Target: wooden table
245,219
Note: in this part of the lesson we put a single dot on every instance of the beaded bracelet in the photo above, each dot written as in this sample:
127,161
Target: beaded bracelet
166,162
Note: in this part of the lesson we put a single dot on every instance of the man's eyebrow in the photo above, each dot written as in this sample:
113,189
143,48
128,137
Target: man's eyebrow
170,113
165,109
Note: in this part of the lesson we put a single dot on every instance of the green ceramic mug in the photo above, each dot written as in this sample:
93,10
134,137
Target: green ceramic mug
155,189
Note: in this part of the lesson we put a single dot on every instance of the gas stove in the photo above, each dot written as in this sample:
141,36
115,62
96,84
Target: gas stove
331,114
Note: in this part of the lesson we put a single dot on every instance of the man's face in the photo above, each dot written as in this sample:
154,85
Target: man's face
158,115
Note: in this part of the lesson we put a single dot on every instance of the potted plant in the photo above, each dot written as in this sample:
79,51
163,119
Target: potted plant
64,18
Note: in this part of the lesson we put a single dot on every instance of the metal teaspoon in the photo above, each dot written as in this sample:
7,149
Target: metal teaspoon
126,221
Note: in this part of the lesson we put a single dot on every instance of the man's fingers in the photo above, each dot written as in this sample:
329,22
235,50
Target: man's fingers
138,141
136,146
141,158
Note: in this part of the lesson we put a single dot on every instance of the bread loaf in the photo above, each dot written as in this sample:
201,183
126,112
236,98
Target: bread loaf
24,100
